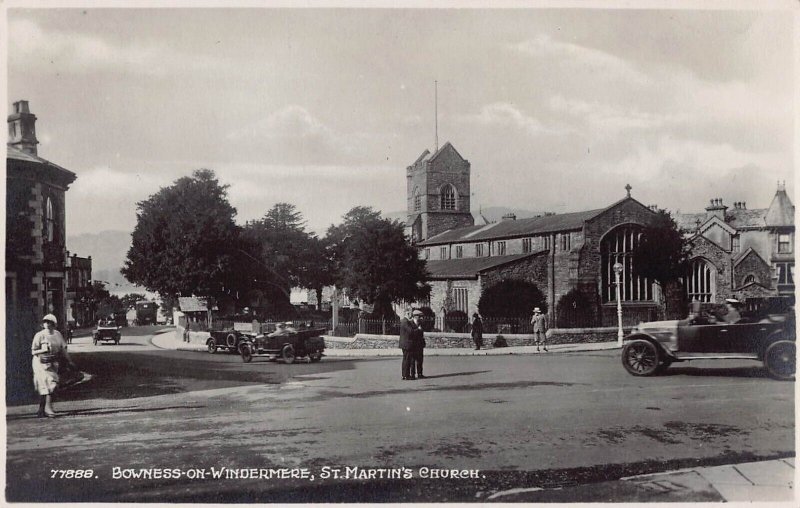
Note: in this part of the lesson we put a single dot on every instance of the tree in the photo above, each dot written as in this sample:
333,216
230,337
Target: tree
663,256
511,298
103,302
374,261
317,271
185,239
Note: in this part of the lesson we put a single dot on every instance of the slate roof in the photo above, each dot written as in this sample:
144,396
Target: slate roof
514,228
736,218
781,210
20,155
468,268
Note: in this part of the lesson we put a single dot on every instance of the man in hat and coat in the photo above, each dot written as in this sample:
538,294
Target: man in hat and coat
418,344
477,331
539,322
407,332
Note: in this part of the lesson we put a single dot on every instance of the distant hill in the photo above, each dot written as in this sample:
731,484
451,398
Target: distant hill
108,250
492,214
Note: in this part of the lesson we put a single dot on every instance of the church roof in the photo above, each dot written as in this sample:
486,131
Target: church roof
515,228
428,156
14,153
468,268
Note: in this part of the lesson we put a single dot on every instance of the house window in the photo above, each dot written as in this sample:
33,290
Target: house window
501,248
479,250
736,244
617,247
749,279
565,243
427,253
546,240
526,245
784,244
459,251
443,253
785,273
701,284
448,198
49,220
417,200
460,299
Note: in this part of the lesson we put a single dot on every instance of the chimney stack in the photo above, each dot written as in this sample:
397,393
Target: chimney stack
716,209
22,128
509,216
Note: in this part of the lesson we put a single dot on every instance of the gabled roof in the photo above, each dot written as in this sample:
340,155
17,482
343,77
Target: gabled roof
719,222
428,156
514,228
469,268
746,254
14,153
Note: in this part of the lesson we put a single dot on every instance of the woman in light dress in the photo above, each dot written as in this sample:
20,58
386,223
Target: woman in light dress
49,349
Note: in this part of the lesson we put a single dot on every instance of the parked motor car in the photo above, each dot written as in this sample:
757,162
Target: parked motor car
653,347
287,347
227,340
107,330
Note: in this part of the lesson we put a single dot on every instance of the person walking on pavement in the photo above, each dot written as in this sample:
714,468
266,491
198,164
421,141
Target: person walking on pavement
407,329
49,350
477,331
539,322
418,344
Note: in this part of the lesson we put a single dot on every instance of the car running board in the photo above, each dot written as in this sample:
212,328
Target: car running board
717,357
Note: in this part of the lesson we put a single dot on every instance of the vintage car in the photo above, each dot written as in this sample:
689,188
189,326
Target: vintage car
224,339
654,346
107,330
288,347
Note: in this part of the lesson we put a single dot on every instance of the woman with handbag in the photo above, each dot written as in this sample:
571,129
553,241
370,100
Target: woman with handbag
48,349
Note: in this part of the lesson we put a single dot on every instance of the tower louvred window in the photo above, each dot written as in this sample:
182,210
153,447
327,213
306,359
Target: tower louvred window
448,198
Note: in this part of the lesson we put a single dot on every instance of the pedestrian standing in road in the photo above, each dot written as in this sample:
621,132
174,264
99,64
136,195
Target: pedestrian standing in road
49,350
477,331
539,322
418,344
407,329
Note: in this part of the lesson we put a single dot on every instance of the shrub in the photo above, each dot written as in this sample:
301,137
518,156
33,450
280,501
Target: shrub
574,310
500,341
456,320
428,319
511,298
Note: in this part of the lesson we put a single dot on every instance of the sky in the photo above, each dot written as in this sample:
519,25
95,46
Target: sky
557,110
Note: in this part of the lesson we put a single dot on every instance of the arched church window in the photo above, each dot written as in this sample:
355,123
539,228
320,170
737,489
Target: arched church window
750,279
417,200
448,198
702,282
617,247
49,220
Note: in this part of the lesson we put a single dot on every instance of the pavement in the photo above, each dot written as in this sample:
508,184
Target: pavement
763,481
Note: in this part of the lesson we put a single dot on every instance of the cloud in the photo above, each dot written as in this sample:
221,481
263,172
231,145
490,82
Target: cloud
586,63
31,47
508,115
608,119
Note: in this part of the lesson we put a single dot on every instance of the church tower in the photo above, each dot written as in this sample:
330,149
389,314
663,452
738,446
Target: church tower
438,193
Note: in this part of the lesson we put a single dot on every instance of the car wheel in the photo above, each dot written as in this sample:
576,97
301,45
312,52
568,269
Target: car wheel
780,360
212,346
287,353
231,341
315,357
641,358
247,355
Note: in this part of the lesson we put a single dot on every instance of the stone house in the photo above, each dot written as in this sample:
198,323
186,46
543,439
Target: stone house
79,304
35,243
741,252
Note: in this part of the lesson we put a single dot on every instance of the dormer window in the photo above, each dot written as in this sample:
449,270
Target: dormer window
447,199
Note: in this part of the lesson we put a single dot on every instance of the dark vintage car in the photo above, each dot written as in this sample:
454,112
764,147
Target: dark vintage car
107,330
652,347
288,347
225,339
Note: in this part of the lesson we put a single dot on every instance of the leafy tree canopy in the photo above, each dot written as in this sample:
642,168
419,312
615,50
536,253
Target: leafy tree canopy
374,260
511,298
129,300
185,238
663,252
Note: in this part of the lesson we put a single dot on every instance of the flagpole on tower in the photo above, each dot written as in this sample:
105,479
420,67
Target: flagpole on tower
436,112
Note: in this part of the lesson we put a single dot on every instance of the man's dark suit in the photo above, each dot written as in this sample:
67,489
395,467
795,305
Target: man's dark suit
407,331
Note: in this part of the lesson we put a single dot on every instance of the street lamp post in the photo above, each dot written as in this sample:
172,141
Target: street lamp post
617,271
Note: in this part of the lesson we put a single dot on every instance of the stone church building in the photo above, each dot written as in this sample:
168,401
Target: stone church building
563,253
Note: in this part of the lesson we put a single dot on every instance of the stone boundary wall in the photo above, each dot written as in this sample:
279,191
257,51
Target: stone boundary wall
462,340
